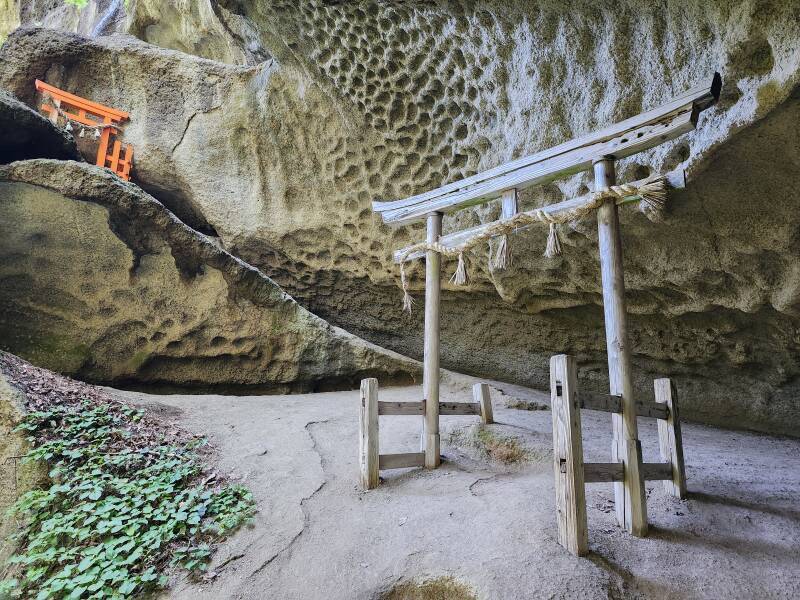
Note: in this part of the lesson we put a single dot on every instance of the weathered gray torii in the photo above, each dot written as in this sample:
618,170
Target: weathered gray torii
597,151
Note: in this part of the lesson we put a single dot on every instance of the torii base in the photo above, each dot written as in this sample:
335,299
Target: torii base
571,473
371,461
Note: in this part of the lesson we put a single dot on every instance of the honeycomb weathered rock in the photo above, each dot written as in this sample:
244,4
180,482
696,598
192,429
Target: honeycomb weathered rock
378,100
100,281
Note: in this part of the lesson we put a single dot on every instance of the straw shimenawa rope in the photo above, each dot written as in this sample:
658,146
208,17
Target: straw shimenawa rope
653,193
69,118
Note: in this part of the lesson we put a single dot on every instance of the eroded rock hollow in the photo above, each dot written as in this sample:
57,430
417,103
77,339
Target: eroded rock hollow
272,125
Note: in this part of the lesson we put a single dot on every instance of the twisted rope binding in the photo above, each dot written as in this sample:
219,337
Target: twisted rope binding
653,194
68,126
460,277
408,301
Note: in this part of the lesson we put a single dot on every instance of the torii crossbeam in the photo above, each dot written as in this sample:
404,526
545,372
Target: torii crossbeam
597,151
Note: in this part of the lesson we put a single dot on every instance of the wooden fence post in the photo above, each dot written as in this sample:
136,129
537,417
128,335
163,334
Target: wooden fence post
629,495
481,395
368,438
670,441
568,456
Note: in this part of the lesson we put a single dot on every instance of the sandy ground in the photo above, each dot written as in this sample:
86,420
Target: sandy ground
488,525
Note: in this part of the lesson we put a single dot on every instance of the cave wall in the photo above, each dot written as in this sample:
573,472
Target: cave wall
278,151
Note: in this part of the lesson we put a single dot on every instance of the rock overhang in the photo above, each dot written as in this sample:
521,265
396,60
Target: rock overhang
312,144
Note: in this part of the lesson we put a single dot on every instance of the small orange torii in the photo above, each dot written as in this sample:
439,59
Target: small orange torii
95,116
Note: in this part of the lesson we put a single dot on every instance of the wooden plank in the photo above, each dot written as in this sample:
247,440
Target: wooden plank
368,430
401,408
652,409
657,472
602,472
676,180
597,401
430,374
695,99
482,397
402,461
613,404
670,441
568,451
459,408
629,495
614,472
581,159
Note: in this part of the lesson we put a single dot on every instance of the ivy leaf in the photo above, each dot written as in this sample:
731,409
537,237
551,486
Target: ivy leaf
85,563
70,542
126,588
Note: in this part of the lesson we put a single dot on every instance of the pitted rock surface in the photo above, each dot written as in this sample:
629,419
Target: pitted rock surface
328,106
99,280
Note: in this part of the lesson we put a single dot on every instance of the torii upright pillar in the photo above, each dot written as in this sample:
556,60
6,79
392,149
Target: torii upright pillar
629,495
430,374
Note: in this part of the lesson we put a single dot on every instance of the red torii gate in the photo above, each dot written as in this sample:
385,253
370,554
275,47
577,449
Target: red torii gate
96,116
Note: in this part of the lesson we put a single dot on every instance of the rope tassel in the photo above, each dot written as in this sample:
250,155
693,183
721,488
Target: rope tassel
553,248
460,277
502,259
408,301
654,197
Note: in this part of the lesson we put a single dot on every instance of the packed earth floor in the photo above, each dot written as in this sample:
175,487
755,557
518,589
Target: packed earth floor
482,525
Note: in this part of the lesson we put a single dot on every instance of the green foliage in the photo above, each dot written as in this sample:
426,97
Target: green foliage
119,510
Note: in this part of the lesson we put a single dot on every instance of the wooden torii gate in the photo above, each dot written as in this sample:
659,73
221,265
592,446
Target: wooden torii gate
597,151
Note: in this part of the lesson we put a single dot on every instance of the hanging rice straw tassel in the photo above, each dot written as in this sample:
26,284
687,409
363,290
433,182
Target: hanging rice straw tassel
553,248
502,259
408,301
654,197
460,277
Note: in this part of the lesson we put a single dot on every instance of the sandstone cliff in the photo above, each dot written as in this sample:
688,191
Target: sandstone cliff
309,110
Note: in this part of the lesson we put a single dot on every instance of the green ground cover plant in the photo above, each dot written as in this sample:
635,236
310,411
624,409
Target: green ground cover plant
123,506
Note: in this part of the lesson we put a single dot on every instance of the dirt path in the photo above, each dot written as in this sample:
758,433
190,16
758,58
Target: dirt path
488,525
